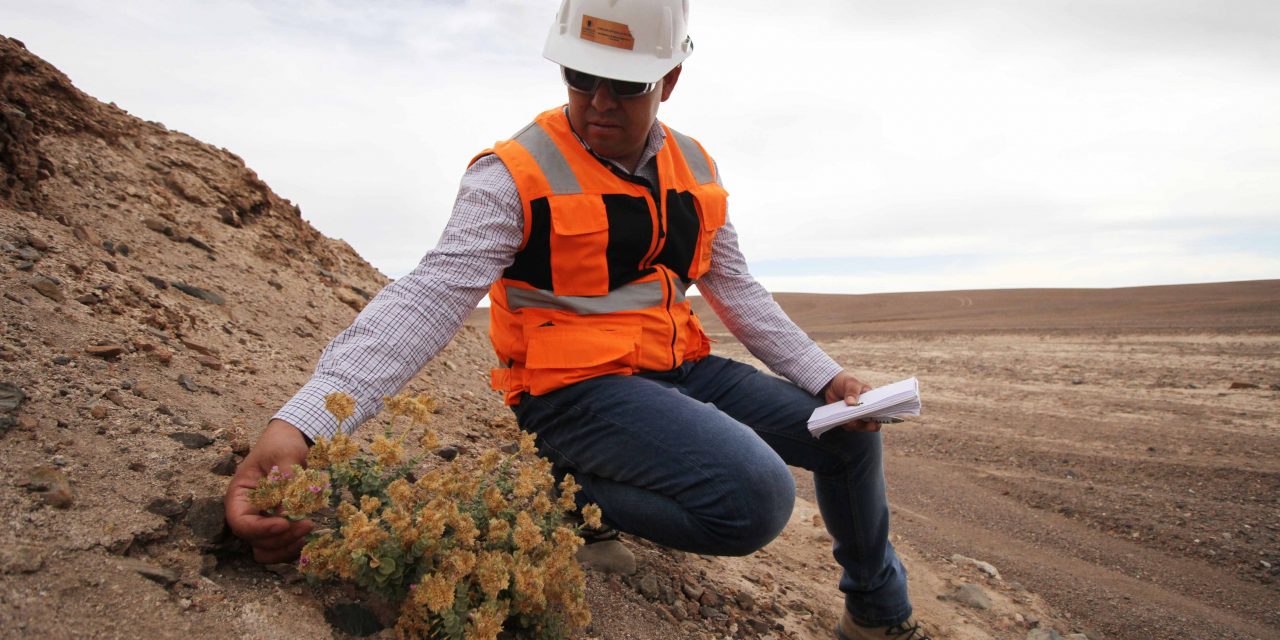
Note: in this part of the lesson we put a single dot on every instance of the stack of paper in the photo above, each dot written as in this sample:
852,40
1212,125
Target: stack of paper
890,401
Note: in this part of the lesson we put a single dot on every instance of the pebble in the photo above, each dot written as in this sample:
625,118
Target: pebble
48,287
207,519
1243,385
648,587
98,410
608,556
191,440
105,351
10,397
166,507
970,595
62,360
115,397
158,283
197,292
37,243
1043,634
29,254
691,591
209,362
448,452
20,558
984,567
226,465
189,383
52,485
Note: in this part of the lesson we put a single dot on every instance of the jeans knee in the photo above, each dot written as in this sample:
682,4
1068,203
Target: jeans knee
764,505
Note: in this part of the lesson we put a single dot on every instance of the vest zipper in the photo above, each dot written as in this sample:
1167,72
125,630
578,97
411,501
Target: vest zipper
670,294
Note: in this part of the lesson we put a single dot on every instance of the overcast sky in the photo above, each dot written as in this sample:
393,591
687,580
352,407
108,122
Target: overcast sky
896,145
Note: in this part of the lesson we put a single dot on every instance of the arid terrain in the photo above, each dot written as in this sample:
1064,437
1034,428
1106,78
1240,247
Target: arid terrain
1083,465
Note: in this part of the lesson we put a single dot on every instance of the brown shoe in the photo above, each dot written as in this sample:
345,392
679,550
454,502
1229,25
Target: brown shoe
907,630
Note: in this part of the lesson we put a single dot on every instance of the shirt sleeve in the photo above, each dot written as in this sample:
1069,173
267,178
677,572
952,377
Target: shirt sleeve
410,320
756,320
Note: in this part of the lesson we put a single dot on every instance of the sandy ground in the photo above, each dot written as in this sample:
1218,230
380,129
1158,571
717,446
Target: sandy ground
1112,471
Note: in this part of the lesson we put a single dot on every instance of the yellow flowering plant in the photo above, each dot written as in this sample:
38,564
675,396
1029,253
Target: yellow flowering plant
464,551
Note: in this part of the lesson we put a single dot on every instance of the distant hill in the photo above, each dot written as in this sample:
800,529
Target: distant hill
1238,306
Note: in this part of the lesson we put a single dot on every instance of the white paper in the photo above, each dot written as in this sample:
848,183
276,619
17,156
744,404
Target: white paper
890,401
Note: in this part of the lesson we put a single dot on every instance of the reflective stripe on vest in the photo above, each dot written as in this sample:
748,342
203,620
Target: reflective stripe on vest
545,152
693,157
632,297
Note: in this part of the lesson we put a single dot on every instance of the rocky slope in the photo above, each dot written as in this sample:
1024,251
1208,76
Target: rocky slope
159,303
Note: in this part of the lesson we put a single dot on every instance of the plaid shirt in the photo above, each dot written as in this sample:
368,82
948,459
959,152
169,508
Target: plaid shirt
413,318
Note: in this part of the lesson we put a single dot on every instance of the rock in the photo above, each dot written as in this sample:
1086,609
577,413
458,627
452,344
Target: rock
608,556
20,558
984,567
98,411
352,619
161,355
692,591
105,351
10,397
48,287
448,453
1077,381
114,397
37,243
1043,634
207,519
197,292
1243,385
88,299
196,346
86,234
147,570
191,440
52,486
648,587
158,283
745,600
970,595
199,244
62,360
158,226
29,253
226,465
26,266
209,362
189,383
286,570
166,507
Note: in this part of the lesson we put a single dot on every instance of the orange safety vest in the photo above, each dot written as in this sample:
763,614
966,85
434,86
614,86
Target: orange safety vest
598,284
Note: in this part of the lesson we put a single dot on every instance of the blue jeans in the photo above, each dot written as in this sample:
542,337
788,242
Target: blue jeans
696,459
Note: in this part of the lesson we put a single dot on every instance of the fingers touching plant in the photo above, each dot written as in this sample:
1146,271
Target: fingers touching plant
464,551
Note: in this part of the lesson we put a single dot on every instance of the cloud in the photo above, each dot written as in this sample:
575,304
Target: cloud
1012,143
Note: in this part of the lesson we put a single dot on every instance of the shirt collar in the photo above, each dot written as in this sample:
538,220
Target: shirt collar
653,144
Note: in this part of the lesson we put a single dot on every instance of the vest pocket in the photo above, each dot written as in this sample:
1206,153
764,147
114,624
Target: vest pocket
559,356
579,245
712,202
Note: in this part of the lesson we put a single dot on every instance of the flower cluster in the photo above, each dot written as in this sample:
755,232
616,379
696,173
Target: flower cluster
465,551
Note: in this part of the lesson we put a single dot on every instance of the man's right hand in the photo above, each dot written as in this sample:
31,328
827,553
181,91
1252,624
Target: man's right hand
274,539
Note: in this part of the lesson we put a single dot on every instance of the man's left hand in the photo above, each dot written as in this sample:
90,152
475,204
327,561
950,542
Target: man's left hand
847,387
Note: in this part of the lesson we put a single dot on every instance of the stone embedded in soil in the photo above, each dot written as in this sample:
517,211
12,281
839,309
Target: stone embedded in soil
166,507
226,465
29,253
970,595
190,384
984,567
191,440
608,556
159,283
196,346
207,519
1243,385
105,351
48,287
1044,634
20,558
148,570
10,397
98,411
52,486
448,453
197,292
209,362
648,587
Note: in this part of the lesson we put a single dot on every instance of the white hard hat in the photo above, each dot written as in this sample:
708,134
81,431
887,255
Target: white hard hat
633,40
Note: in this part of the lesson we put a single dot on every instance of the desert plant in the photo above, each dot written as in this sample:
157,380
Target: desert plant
464,552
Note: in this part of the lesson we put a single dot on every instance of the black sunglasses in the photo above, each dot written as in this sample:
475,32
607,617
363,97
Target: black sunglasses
587,83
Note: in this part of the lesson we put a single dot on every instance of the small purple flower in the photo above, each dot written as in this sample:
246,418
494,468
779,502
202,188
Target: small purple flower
413,586
302,561
314,489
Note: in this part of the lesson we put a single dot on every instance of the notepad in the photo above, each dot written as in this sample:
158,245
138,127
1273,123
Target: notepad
890,401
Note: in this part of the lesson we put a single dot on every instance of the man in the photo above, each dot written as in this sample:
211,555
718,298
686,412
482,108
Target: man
586,228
